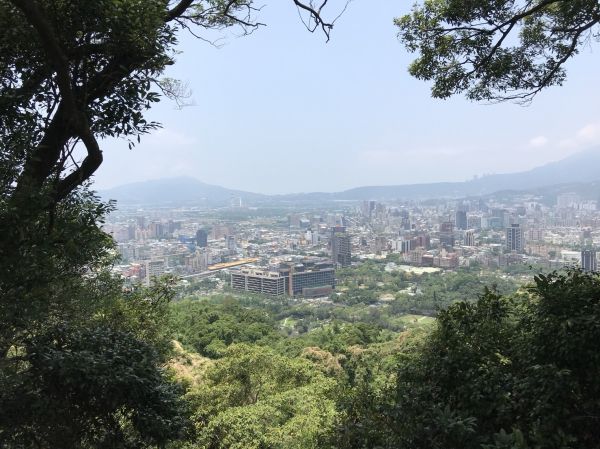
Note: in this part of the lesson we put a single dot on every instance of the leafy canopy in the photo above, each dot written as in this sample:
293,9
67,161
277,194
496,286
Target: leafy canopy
502,372
496,49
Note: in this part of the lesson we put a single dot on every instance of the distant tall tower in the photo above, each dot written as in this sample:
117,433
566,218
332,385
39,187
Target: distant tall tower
515,240
446,234
202,238
461,220
588,260
341,247
367,208
154,269
470,238
231,246
497,220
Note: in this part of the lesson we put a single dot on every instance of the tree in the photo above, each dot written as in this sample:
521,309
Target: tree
255,398
502,372
497,49
80,360
83,388
209,329
73,72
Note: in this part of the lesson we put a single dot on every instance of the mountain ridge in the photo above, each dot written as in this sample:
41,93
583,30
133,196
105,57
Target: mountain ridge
580,167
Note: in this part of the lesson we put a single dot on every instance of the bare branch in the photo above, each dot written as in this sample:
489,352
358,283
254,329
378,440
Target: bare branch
315,15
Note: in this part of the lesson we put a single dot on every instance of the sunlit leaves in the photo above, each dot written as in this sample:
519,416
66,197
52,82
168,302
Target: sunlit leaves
496,49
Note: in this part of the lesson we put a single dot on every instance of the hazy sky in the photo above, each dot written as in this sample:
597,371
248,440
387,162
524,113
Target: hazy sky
282,111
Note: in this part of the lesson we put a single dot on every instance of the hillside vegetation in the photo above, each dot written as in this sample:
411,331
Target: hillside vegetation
502,371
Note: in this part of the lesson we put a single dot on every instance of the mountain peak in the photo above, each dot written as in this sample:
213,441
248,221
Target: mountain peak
175,190
583,166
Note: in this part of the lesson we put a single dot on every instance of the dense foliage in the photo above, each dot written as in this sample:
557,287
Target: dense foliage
496,50
518,372
80,360
254,398
503,370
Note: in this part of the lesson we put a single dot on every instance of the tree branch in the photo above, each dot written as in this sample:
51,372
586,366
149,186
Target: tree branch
54,53
68,121
315,14
178,9
90,164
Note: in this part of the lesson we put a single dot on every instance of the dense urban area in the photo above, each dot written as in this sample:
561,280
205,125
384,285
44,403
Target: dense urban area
297,253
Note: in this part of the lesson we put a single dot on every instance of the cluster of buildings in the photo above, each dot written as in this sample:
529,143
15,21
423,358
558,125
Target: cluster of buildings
299,253
492,234
296,257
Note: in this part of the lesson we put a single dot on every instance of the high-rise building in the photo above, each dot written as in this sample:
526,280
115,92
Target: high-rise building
156,230
221,230
131,232
474,222
141,221
341,247
202,238
265,282
198,261
367,208
497,219
447,240
173,226
515,240
470,238
154,269
588,260
423,241
405,245
309,280
231,246
446,235
461,220
333,220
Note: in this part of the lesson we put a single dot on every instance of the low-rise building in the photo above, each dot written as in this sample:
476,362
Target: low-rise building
307,280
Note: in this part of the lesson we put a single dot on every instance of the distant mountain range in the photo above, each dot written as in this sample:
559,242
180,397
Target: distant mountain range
579,168
175,191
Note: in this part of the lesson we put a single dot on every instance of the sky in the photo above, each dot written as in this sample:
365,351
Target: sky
282,111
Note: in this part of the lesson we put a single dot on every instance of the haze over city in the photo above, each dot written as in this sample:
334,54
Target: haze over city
282,111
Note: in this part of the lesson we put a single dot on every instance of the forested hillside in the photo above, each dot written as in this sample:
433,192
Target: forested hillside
497,371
